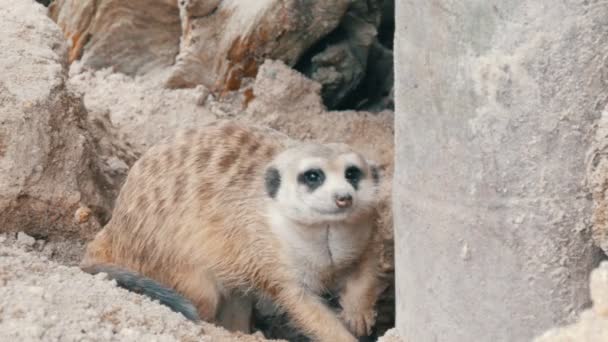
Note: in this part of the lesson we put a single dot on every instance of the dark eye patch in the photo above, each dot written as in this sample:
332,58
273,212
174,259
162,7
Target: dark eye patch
312,178
272,180
353,175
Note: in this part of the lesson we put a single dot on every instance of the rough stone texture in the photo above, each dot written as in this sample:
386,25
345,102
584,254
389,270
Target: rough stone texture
496,106
339,62
375,92
221,44
221,47
133,37
41,300
24,239
597,168
48,163
592,325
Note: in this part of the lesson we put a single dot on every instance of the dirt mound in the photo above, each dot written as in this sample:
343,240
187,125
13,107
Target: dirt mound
41,300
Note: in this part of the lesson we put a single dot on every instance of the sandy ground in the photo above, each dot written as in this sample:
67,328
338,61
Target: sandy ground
44,296
42,300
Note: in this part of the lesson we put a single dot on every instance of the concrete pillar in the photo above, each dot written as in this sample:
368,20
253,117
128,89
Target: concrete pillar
495,109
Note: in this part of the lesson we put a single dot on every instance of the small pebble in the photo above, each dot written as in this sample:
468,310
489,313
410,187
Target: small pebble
203,95
117,165
25,240
82,214
40,245
35,290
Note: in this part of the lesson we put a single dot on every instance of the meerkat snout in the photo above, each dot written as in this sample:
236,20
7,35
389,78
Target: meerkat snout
343,201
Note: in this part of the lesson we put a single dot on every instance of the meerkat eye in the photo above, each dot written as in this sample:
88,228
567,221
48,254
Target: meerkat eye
353,175
312,178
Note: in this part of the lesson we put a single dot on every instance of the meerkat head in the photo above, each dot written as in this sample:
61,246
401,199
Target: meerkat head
317,183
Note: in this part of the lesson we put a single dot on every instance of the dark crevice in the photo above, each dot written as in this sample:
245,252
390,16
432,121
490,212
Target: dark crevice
45,2
386,30
354,62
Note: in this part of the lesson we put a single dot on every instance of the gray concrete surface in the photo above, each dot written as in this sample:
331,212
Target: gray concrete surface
496,103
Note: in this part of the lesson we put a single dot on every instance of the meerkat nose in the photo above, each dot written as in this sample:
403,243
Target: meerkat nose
343,200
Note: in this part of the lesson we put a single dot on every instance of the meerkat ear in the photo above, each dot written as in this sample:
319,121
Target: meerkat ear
272,181
375,171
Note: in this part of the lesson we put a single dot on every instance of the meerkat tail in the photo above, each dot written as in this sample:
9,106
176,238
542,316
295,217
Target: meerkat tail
137,283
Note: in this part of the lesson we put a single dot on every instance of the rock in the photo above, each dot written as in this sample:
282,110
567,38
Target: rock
47,157
39,245
117,165
219,42
375,93
82,215
25,240
354,63
114,157
221,48
498,104
592,324
278,87
339,62
204,94
132,37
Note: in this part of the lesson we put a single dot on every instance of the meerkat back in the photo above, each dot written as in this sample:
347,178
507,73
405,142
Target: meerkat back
170,222
232,208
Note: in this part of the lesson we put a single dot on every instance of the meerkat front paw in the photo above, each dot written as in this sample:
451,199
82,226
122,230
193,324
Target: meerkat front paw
359,321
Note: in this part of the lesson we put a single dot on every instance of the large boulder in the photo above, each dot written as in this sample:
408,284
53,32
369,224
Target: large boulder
498,106
213,43
51,181
133,37
222,46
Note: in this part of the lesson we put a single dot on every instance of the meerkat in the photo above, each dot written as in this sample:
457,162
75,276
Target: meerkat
228,212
